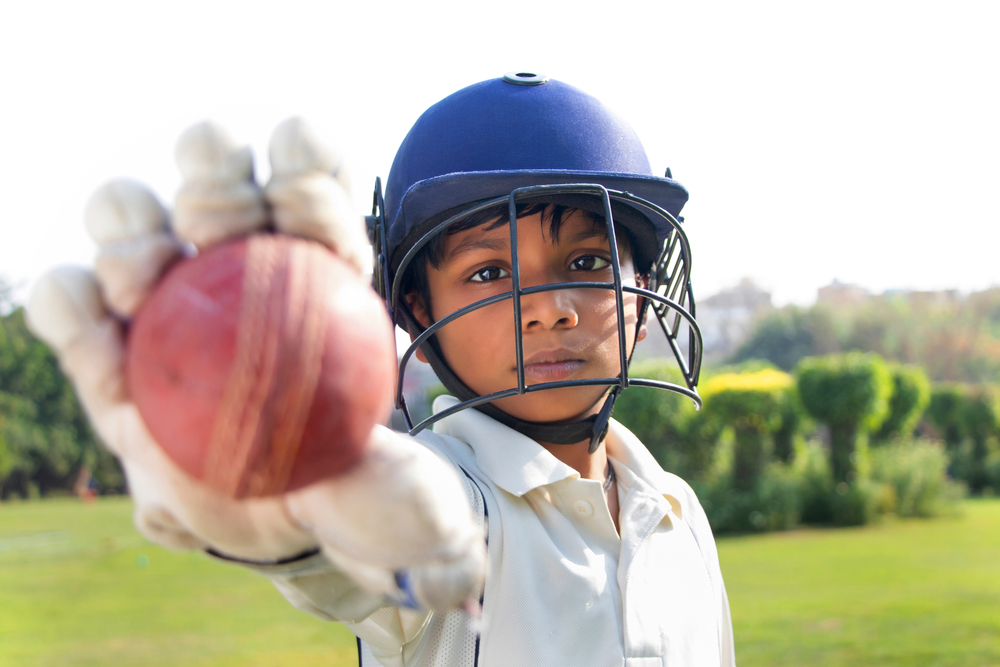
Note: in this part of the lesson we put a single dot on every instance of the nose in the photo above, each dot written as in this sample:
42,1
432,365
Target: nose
555,309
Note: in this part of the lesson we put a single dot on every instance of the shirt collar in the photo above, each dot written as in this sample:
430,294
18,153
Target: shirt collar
518,464
623,446
514,462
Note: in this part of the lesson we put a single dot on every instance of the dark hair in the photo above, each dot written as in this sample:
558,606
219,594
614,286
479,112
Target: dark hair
415,279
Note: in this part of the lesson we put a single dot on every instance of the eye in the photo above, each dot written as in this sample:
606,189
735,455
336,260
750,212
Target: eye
589,263
488,274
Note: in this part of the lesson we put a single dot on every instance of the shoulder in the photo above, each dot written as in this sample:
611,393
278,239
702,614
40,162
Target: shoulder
460,456
452,450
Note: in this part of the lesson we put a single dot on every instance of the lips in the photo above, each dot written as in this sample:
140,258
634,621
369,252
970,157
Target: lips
552,365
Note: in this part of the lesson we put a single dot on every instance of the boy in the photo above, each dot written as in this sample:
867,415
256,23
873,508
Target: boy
520,229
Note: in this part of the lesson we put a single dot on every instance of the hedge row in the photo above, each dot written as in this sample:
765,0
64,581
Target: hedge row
831,443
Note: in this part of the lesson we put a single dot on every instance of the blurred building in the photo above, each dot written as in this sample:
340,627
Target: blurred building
726,320
920,297
841,294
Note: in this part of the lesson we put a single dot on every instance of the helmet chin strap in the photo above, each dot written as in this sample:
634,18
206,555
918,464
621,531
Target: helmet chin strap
593,428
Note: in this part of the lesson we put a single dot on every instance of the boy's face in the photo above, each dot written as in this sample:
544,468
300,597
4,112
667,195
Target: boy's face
568,333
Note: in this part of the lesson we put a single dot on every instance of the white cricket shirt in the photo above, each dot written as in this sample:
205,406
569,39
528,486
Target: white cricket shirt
563,587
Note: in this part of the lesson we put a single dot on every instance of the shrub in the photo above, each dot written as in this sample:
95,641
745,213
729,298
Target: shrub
773,503
665,421
815,482
753,405
944,412
849,393
910,396
968,418
993,474
793,422
916,471
856,503
981,422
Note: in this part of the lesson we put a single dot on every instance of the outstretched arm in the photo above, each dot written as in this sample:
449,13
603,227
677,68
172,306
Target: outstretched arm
399,511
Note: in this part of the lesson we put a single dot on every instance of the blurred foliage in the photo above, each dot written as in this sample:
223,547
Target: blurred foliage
785,336
853,388
774,502
910,396
665,421
945,412
794,422
858,502
45,438
954,338
915,469
967,419
850,394
812,468
824,475
753,405
982,425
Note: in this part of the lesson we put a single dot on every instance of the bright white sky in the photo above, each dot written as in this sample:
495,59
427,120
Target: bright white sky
849,140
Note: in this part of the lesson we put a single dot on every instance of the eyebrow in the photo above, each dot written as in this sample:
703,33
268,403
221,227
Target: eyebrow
473,243
596,232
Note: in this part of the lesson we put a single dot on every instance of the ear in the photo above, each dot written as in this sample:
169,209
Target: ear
416,306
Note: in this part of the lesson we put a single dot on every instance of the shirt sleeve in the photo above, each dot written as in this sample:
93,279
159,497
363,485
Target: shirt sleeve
702,531
313,584
728,652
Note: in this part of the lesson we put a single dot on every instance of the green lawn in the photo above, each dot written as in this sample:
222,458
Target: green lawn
78,586
907,593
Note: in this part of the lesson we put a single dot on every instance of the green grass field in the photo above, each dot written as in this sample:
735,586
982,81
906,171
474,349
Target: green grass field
79,587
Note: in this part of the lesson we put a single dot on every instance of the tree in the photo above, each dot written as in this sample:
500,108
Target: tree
981,421
945,413
850,394
793,423
955,338
910,396
753,404
665,421
790,334
43,429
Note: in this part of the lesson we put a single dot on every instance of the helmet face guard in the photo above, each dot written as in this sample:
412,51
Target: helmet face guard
669,295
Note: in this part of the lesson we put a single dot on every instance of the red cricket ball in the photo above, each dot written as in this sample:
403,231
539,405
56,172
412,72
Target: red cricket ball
261,365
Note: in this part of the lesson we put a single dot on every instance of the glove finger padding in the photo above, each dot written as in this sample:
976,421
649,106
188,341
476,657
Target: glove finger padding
219,198
65,304
401,511
135,244
65,310
308,194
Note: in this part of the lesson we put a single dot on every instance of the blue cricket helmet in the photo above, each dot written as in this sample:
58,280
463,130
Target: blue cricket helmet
521,130
524,138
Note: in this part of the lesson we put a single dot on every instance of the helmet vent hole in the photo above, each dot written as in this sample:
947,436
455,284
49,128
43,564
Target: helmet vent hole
525,78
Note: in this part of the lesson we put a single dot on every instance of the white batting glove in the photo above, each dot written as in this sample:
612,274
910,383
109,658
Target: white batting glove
400,511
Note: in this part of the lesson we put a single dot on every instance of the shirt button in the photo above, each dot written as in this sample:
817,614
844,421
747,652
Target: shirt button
583,509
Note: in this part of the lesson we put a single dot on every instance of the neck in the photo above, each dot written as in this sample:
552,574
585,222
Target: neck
576,456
